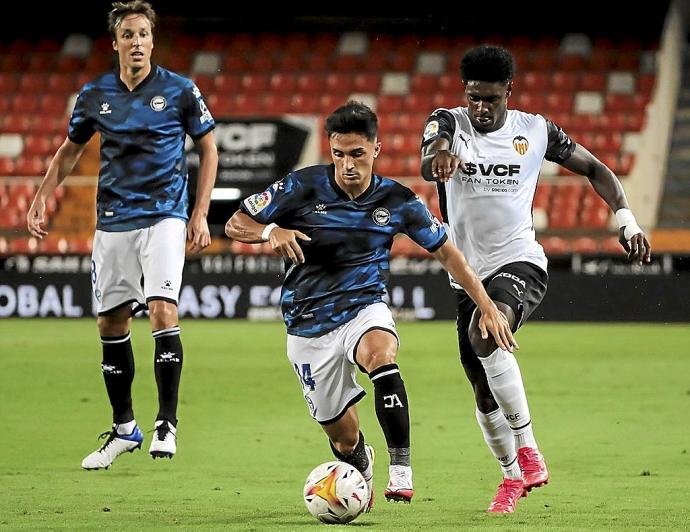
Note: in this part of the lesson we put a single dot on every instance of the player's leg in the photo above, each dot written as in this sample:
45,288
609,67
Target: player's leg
331,391
517,289
112,268
347,444
375,350
495,429
162,258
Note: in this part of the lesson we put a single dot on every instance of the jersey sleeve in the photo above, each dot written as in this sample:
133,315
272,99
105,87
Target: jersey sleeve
197,118
440,124
559,145
422,226
274,203
81,127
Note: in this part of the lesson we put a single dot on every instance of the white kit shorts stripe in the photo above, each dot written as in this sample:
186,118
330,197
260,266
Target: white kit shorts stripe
325,365
121,259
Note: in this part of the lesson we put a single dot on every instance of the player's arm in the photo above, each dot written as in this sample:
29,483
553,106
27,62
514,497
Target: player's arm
197,231
283,241
438,162
491,320
59,168
579,160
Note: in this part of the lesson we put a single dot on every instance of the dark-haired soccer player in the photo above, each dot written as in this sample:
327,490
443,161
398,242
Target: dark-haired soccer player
335,225
143,113
487,159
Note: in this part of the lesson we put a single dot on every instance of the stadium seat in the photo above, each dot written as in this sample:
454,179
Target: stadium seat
25,103
305,103
611,245
565,81
423,83
367,82
276,104
53,104
283,83
254,83
554,245
16,123
40,145
8,82
543,195
30,166
533,81
227,84
311,83
413,122
595,217
592,81
6,166
81,245
61,83
10,219
340,83
584,244
390,103
23,245
33,82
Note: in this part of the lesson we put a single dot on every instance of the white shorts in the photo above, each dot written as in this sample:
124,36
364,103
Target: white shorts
120,259
326,367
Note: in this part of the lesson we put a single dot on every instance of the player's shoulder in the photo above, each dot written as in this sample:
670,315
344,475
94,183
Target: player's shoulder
394,189
104,81
169,76
525,119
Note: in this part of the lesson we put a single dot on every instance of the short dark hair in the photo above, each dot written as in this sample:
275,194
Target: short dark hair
487,63
353,117
121,9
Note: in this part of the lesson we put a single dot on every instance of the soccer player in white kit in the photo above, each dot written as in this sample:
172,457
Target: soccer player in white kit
143,113
486,160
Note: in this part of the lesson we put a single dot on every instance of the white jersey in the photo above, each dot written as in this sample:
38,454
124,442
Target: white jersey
488,208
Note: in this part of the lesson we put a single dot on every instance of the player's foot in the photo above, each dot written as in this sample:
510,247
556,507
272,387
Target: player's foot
534,472
400,484
114,446
164,441
370,481
509,491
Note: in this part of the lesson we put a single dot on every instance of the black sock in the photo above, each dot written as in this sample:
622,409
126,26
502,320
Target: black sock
167,365
357,458
118,373
392,411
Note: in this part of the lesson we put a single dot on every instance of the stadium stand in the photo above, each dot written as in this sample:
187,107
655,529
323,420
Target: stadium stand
598,89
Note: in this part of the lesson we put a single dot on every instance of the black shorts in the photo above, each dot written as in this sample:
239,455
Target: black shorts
520,285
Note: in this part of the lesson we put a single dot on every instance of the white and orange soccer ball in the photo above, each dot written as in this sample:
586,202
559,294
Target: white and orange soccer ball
335,493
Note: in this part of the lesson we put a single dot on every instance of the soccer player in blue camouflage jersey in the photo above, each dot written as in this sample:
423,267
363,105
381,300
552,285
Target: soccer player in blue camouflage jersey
143,113
334,225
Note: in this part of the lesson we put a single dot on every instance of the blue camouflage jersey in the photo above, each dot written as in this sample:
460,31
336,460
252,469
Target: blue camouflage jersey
143,173
347,260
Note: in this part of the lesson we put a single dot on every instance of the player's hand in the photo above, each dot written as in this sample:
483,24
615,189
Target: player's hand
198,233
284,243
638,248
495,322
445,164
36,218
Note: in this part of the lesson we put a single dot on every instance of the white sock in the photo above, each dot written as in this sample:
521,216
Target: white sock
505,381
499,438
125,428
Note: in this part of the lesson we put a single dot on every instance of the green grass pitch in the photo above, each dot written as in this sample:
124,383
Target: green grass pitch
610,407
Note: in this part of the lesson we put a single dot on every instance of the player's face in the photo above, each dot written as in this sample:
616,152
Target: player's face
487,104
134,42
353,155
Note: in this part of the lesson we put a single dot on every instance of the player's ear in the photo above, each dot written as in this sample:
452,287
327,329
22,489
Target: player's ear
509,89
377,149
114,45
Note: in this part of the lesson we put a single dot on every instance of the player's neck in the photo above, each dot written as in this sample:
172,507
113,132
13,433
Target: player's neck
132,77
354,190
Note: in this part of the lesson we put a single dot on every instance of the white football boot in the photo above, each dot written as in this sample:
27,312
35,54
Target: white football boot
114,446
399,487
164,441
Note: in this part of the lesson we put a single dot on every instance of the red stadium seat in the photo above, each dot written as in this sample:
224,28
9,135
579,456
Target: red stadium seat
37,145
533,81
283,83
228,84
572,62
205,83
584,244
33,82
593,81
413,122
68,63
8,82
305,103
254,83
646,83
612,245
277,104
6,166
543,195
367,82
311,83
418,103
61,83
390,103
81,245
348,62
16,123
402,60
42,62
262,62
565,81
10,219
596,217
423,83
339,83
554,245
31,166
330,102
53,104
23,245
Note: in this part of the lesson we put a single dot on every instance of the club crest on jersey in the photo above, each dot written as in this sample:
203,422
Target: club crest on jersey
381,216
521,144
158,103
431,130
258,202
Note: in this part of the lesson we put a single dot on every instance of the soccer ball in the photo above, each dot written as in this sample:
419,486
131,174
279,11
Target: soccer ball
335,493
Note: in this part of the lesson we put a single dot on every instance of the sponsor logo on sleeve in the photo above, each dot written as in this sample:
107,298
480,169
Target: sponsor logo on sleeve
258,202
431,130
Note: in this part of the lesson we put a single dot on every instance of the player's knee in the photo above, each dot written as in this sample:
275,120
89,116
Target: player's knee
483,347
375,358
162,315
115,324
